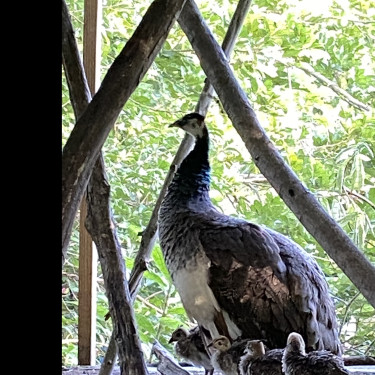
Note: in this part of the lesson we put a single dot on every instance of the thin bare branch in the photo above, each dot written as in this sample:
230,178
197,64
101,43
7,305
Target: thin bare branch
359,196
334,87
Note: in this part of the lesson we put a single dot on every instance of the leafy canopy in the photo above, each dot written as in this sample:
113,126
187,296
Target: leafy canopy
327,140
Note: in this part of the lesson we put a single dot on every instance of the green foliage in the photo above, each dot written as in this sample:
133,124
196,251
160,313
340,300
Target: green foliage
328,142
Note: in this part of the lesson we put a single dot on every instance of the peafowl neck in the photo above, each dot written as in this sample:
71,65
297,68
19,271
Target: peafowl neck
192,178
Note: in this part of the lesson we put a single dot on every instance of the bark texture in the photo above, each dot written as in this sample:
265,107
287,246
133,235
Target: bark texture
269,161
102,229
92,128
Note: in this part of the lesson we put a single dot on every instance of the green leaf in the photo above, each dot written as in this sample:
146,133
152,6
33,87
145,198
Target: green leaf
158,258
155,277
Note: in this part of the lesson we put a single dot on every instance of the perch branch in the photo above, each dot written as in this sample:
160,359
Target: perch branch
269,161
93,126
167,364
334,87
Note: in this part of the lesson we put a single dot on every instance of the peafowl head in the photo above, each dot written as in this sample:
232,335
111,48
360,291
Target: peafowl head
192,123
255,348
221,343
178,334
295,343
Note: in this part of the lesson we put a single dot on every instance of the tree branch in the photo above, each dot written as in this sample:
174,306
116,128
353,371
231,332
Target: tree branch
92,127
100,225
359,196
269,161
167,364
334,87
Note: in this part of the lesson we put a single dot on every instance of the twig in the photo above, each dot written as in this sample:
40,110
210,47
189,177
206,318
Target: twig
164,313
347,310
334,87
370,346
359,196
146,303
153,295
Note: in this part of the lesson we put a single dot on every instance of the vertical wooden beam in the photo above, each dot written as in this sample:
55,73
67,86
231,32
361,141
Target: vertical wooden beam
87,294
88,259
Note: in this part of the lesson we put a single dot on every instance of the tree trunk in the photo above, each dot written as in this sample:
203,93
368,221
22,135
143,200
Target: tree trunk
102,230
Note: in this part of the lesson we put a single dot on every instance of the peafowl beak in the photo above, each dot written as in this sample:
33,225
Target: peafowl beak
176,124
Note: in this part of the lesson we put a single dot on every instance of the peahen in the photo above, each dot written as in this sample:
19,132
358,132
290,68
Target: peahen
234,277
297,362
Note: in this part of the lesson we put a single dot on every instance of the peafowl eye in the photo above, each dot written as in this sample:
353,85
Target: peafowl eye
236,278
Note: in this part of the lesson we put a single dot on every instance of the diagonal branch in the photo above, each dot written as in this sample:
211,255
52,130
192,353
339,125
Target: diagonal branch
100,221
359,196
93,126
334,87
269,161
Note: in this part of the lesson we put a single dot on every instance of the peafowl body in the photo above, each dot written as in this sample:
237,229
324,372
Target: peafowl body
297,362
236,278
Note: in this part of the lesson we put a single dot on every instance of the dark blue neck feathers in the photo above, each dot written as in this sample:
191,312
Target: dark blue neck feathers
193,176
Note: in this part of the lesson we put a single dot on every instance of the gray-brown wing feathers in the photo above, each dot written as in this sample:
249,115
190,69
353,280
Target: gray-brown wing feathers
245,277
